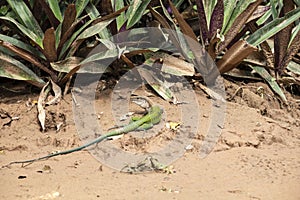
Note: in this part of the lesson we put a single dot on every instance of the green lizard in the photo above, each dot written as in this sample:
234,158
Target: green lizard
151,118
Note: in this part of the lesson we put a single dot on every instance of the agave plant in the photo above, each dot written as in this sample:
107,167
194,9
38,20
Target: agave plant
57,42
231,30
45,41
53,37
287,40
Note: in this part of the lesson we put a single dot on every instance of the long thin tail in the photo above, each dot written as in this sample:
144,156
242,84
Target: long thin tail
101,138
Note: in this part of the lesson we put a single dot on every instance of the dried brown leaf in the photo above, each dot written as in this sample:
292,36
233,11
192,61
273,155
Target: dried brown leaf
162,20
127,61
156,84
110,16
165,25
235,55
69,75
242,74
282,38
69,18
256,58
36,10
41,105
49,45
293,49
57,94
211,49
67,35
212,94
198,51
202,21
216,21
260,11
177,66
239,22
53,21
184,26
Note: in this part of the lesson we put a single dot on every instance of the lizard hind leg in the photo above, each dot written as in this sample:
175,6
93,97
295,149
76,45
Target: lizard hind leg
144,127
135,118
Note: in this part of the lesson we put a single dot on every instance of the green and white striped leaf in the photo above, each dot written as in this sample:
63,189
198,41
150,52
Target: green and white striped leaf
73,37
122,18
135,11
276,6
24,13
294,67
57,35
37,39
14,69
271,81
93,13
95,29
54,6
112,53
229,6
22,45
209,6
80,6
239,7
177,3
66,65
6,51
294,33
264,18
273,27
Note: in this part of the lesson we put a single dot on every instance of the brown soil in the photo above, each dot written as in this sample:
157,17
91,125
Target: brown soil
257,156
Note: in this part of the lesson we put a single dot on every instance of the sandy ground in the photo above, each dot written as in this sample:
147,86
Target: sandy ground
257,155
